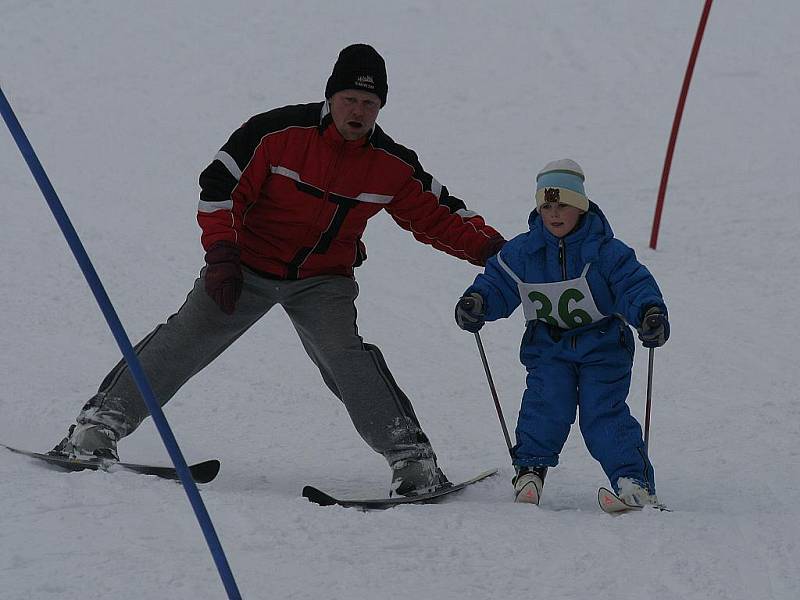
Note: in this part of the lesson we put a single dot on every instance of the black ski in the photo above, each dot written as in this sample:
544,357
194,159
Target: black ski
319,497
202,472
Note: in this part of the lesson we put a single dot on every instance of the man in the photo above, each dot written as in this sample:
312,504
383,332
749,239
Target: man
282,209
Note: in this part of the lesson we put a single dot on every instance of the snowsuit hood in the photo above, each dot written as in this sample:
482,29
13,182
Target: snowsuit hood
592,229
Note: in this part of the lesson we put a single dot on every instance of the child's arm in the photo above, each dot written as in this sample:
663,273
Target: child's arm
499,292
634,287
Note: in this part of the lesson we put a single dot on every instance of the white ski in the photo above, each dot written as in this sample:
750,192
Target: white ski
614,505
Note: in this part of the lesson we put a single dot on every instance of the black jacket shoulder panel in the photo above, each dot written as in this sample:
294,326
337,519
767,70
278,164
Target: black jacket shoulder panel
243,142
277,119
381,141
220,177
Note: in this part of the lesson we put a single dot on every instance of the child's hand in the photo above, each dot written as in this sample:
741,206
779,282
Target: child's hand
469,312
654,331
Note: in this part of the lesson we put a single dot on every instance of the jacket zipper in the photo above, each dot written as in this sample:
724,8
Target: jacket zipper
304,253
332,177
562,258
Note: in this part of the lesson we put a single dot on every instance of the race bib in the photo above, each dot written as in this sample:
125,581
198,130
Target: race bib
564,304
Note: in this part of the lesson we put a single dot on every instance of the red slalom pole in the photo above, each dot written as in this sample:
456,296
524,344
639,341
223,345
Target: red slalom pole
687,79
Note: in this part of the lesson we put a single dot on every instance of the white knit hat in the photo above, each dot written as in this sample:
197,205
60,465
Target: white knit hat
561,181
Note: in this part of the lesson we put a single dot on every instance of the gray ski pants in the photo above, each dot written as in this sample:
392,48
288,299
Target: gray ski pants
323,313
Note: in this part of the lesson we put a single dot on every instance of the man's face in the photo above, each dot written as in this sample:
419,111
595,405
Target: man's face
354,112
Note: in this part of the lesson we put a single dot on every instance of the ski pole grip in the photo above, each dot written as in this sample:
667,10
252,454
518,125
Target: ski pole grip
468,303
654,320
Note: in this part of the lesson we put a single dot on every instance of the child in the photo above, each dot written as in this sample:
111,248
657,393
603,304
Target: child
579,288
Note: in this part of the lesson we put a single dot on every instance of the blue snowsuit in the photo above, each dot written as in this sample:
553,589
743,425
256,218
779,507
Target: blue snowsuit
588,364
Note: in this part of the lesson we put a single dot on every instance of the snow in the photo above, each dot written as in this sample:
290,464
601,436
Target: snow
126,103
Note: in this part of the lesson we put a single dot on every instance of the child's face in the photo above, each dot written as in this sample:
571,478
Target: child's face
559,219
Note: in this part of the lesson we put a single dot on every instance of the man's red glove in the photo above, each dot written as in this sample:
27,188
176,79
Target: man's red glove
223,277
493,246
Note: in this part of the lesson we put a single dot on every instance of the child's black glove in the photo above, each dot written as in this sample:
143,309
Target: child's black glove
654,331
469,312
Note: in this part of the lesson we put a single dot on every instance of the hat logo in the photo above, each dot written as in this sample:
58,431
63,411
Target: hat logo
552,195
365,81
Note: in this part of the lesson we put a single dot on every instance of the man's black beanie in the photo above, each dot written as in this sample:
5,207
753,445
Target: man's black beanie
359,67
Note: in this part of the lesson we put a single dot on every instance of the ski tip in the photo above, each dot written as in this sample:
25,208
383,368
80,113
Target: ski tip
613,504
206,471
318,496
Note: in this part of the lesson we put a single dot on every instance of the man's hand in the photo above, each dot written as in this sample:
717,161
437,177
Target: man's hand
223,275
654,331
469,312
493,247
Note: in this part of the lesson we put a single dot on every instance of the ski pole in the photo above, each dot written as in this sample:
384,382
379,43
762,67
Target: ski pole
494,394
649,399
653,322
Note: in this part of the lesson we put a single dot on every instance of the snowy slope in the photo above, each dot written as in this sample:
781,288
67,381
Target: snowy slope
127,102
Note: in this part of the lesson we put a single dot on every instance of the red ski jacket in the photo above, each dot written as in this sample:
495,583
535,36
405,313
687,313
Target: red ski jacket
295,197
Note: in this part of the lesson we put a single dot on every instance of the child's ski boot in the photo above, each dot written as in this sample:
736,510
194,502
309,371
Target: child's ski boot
528,484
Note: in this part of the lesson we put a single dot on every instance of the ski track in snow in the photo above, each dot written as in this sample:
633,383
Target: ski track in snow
126,107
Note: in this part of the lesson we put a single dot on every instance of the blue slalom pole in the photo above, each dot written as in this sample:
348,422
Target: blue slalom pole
124,344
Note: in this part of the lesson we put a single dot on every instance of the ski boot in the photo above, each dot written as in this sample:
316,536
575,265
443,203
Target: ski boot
528,484
86,440
413,477
634,493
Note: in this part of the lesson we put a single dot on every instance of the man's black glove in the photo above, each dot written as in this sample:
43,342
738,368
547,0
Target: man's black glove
223,277
469,312
654,331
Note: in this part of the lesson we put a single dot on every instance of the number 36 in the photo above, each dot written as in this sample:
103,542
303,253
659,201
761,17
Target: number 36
573,318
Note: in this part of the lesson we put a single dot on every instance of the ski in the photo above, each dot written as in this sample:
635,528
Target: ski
614,505
317,496
202,472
